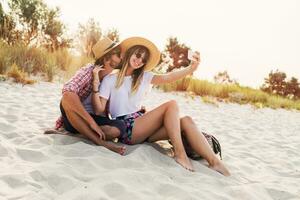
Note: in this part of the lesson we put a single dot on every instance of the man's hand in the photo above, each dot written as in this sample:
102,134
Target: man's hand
96,71
98,130
96,80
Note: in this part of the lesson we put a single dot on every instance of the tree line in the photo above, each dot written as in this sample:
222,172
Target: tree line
33,23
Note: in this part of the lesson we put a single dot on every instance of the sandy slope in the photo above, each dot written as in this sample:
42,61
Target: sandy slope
260,147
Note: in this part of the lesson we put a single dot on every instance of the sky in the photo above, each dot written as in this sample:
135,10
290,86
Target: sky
246,38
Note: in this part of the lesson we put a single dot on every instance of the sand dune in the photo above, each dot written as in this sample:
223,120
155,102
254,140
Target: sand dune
261,147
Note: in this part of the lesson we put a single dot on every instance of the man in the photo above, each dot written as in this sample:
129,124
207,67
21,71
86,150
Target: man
75,117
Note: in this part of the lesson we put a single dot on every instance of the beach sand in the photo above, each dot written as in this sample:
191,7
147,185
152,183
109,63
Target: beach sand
261,147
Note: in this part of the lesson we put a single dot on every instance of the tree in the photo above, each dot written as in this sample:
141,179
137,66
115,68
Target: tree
275,83
1,15
88,35
292,88
113,34
224,78
177,52
53,31
27,14
33,23
8,30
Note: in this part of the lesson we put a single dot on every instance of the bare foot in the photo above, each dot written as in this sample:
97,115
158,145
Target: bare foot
115,148
122,150
220,167
185,162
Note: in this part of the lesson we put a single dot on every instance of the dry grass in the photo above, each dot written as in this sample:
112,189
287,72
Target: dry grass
231,93
19,76
32,60
210,100
76,63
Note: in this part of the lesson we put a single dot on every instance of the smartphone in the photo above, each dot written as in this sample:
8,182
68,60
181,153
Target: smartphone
190,54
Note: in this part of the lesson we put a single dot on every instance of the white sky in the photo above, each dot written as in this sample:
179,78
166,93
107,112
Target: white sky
246,38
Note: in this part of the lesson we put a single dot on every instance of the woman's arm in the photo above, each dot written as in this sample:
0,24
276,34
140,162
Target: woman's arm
173,76
98,102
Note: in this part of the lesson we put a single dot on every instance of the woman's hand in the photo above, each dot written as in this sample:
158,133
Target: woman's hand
195,61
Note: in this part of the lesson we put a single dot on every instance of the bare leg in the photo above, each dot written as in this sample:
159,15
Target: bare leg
200,145
111,132
166,115
85,130
197,142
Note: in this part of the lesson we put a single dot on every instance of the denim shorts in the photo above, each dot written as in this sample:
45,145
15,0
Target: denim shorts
100,120
129,123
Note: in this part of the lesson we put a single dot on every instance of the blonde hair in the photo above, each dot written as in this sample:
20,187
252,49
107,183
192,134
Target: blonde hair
137,74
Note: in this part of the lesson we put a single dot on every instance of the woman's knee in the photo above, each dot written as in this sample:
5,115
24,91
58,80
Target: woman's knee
186,120
110,132
115,132
172,104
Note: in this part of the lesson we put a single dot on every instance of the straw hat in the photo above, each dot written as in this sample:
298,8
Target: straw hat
154,52
103,46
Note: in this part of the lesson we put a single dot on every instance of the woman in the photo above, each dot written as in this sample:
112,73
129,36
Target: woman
125,90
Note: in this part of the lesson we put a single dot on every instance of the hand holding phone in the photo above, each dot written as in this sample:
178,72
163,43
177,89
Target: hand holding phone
194,57
191,54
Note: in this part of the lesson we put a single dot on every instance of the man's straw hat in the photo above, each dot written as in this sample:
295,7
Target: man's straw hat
103,46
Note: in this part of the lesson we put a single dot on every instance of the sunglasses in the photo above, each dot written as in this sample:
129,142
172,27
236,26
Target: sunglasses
139,55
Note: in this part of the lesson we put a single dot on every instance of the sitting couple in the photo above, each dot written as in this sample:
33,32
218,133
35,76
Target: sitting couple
97,88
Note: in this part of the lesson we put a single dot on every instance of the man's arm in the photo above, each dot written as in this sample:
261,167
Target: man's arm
71,99
71,91
72,103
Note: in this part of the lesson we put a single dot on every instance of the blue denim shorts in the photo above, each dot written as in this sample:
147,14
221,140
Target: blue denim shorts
129,123
100,120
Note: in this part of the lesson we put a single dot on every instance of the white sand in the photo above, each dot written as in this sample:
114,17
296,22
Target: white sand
260,147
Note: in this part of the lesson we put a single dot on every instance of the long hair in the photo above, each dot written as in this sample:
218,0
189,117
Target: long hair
137,74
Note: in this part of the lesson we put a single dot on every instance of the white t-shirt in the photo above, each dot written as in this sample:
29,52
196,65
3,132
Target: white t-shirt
122,100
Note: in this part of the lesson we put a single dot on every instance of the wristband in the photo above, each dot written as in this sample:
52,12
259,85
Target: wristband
95,91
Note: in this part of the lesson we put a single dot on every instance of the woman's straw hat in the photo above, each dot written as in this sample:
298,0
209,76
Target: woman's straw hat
154,52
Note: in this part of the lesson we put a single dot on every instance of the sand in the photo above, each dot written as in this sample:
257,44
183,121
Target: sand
261,147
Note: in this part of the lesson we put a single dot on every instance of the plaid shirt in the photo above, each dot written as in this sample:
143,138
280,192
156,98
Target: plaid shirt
81,84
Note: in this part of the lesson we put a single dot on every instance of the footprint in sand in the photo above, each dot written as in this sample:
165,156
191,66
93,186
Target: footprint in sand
280,194
114,189
31,155
60,184
10,118
5,127
3,151
9,135
14,180
167,191
80,165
